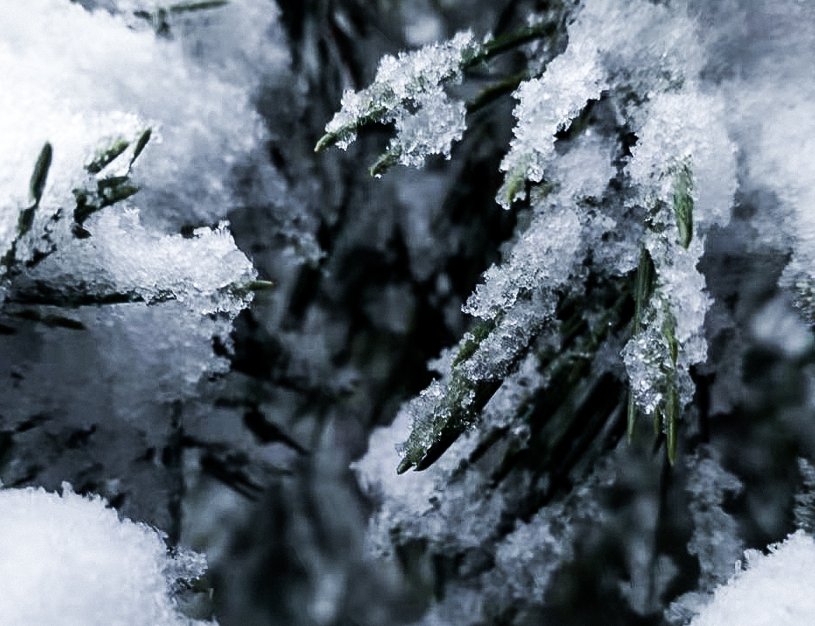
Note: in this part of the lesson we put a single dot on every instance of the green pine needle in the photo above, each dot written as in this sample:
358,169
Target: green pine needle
105,157
683,203
40,174
141,143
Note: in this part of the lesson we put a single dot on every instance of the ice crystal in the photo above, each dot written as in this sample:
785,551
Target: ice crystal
542,258
408,91
607,40
685,197
74,91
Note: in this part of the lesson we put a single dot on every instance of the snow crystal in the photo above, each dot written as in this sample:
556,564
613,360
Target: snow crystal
547,252
545,106
585,169
647,357
402,498
83,77
453,513
206,271
407,90
686,126
606,40
69,560
683,140
533,552
542,258
438,123
774,589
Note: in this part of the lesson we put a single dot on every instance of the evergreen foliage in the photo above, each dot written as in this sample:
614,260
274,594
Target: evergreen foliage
565,353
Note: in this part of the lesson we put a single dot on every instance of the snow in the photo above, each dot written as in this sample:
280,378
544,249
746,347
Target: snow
149,285
690,127
199,271
151,301
545,106
544,256
70,560
438,122
772,589
82,77
636,45
408,90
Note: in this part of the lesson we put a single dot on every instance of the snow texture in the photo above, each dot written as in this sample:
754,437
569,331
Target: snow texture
408,91
636,45
81,78
70,560
645,67
128,249
768,589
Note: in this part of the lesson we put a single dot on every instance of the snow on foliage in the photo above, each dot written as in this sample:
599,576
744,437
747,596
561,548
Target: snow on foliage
622,165
642,73
120,150
70,560
116,124
408,91
84,78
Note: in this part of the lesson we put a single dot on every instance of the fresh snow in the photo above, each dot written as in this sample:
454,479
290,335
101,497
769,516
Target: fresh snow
69,560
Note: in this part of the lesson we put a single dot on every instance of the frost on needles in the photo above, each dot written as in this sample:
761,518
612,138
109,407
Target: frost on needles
119,173
622,163
408,92
595,212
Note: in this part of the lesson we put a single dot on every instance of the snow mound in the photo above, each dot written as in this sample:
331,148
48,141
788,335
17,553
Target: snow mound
69,560
775,589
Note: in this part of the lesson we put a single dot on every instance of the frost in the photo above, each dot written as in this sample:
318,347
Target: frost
773,588
407,90
607,40
69,560
545,106
685,196
82,77
544,257
121,259
431,130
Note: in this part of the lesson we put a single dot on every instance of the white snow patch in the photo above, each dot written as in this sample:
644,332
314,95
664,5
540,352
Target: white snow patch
775,589
69,560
